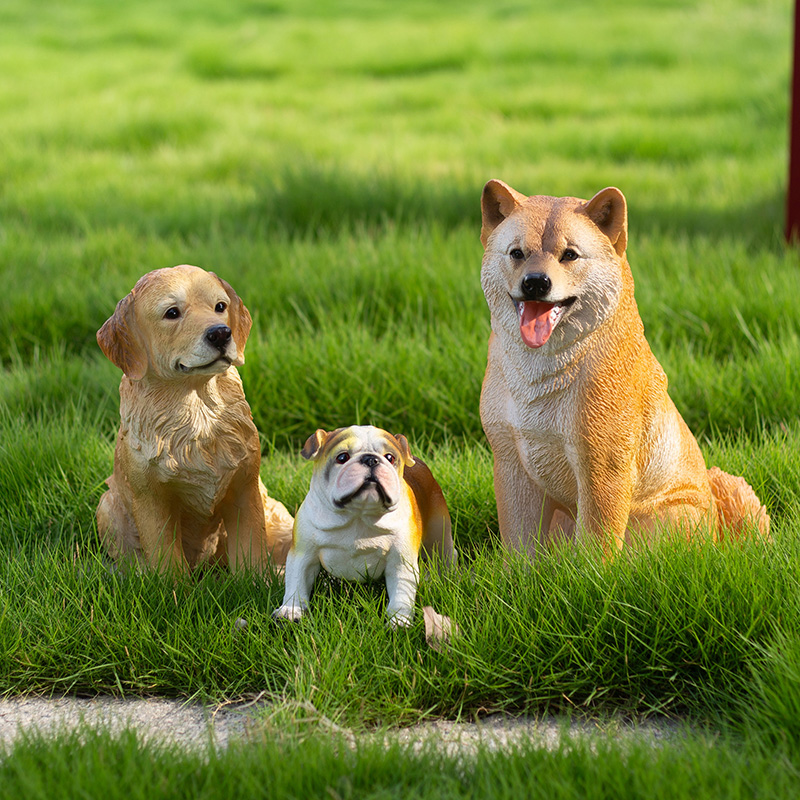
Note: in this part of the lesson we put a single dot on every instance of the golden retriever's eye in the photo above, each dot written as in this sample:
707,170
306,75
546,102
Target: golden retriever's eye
390,458
342,458
172,313
517,254
220,307
569,255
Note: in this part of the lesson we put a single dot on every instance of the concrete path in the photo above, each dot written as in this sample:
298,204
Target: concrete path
196,726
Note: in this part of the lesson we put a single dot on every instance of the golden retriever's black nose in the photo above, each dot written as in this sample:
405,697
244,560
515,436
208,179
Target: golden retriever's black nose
218,336
369,461
535,286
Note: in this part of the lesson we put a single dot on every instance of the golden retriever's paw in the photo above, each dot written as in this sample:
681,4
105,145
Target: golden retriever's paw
288,613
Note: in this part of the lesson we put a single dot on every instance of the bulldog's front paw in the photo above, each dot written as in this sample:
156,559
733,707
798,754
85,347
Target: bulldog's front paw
288,613
401,618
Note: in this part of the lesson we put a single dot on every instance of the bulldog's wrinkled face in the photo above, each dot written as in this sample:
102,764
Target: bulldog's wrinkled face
177,322
359,469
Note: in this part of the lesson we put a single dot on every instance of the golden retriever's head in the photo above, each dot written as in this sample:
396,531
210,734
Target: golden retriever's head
177,322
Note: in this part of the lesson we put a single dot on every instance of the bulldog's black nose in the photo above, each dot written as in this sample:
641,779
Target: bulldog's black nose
535,286
218,336
369,461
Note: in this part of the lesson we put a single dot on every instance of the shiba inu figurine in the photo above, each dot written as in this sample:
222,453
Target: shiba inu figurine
585,438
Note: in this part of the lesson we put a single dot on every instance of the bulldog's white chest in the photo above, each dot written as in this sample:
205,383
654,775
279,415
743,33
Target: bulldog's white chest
358,552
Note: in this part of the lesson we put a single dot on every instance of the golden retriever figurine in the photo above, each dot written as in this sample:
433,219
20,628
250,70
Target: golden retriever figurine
585,438
186,487
371,510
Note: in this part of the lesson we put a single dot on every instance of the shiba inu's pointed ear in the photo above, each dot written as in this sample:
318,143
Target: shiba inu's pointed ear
120,342
239,321
313,446
609,211
405,450
497,202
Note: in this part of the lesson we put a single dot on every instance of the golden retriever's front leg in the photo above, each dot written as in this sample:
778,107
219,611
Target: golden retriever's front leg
159,536
243,516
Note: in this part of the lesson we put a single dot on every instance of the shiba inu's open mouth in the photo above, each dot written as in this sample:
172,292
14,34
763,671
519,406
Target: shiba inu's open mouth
538,319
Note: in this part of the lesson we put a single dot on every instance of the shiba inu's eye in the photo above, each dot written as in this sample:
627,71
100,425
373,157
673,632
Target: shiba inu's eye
569,255
220,307
517,254
342,458
390,458
173,312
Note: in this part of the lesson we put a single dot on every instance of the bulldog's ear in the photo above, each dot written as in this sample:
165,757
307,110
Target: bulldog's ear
405,451
609,211
119,340
313,445
239,320
497,202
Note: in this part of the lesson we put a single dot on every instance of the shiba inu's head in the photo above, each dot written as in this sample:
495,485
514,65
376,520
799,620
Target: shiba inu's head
554,268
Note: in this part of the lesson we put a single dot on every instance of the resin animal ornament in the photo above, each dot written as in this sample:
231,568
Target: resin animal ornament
585,438
186,487
371,510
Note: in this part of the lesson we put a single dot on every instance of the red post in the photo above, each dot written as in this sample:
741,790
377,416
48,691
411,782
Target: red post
793,193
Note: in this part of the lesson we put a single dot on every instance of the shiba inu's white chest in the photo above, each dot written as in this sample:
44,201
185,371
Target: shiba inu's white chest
536,425
547,444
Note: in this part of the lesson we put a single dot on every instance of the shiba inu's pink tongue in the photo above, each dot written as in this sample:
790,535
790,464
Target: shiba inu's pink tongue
536,322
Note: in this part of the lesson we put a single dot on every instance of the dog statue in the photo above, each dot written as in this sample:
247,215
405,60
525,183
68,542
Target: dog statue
185,487
586,441
371,510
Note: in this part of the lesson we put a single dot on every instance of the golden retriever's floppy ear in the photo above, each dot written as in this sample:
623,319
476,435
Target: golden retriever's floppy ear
239,320
609,211
405,450
313,446
119,341
497,202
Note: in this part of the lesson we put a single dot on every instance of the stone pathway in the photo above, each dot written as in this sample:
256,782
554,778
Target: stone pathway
194,725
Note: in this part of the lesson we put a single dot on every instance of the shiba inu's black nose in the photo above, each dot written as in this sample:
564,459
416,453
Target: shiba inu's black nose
535,286
218,336
369,461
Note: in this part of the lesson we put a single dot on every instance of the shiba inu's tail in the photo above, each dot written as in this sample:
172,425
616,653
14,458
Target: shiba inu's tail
739,507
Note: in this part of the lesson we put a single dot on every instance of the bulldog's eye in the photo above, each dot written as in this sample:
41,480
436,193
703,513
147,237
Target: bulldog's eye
172,313
517,254
342,458
390,458
220,307
569,255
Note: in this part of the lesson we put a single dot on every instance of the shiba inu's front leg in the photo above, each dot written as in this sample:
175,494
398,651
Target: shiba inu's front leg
604,505
524,511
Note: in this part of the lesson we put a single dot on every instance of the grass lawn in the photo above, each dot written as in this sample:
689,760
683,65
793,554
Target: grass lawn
327,159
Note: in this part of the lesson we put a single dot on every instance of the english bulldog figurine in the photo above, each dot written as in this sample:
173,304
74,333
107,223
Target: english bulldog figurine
371,511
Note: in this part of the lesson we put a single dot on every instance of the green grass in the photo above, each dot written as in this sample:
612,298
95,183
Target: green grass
292,762
327,159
